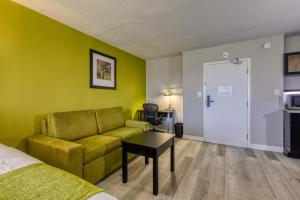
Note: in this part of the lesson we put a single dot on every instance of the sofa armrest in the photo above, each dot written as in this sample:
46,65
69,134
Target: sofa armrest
137,124
59,153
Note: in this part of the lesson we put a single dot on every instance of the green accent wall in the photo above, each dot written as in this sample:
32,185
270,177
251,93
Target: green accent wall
44,67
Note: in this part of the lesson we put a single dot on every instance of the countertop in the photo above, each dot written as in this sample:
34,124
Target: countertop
292,110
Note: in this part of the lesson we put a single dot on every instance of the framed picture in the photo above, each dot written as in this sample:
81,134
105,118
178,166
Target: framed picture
292,63
102,70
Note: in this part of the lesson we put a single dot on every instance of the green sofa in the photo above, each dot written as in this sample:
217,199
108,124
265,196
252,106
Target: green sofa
86,143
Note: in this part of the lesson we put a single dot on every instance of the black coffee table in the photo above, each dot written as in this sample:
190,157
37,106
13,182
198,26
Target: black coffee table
150,145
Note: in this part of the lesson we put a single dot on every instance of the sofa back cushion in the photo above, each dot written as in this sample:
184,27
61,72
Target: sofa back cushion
110,118
72,125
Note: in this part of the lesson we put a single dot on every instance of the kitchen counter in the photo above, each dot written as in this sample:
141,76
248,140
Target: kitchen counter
291,110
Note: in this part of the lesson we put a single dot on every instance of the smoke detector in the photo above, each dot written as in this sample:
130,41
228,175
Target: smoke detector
267,45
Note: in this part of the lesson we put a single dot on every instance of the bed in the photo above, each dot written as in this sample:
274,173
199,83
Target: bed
16,166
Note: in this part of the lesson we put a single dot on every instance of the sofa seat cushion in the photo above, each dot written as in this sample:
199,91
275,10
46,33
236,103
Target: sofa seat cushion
97,145
124,132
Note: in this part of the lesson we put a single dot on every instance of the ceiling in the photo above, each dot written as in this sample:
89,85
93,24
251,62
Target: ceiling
158,28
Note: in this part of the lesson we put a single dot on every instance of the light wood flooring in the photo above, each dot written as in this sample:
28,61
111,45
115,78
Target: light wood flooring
210,171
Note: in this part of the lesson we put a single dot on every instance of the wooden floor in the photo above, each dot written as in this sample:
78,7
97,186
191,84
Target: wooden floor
211,171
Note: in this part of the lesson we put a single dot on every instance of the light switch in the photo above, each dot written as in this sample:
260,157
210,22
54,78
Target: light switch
199,94
277,92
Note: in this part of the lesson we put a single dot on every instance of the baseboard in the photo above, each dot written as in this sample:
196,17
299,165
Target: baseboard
252,146
191,137
266,147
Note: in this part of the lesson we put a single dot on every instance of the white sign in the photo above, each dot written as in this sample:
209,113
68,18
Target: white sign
225,54
224,90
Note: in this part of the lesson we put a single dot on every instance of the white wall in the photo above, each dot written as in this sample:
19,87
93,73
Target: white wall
162,74
292,44
266,76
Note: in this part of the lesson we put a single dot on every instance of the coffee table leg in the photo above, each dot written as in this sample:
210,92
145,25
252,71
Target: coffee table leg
146,160
124,165
172,158
155,175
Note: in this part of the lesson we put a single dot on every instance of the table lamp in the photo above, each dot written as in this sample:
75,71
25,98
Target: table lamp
169,93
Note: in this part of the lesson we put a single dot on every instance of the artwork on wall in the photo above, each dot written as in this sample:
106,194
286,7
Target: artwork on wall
102,70
292,63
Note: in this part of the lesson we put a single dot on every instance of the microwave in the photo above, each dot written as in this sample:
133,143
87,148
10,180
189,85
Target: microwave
295,101
292,100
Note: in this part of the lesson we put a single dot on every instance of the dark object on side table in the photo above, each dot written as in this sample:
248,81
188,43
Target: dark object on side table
151,115
178,130
150,145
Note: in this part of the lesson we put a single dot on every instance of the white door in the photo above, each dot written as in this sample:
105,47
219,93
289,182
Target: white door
226,103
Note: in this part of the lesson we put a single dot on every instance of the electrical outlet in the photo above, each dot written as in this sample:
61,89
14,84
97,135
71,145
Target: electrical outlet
277,92
199,94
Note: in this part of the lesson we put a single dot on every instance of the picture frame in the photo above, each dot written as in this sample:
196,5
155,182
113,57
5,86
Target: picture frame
292,63
103,70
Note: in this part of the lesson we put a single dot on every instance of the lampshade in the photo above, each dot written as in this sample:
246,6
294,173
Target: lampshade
169,92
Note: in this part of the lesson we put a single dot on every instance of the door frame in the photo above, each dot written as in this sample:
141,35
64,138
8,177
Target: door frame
248,96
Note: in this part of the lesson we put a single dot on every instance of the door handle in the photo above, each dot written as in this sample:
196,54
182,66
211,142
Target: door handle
208,101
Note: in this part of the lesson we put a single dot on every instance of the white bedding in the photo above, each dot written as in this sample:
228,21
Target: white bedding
11,159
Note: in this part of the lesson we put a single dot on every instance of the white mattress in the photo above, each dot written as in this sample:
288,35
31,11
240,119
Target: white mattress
11,159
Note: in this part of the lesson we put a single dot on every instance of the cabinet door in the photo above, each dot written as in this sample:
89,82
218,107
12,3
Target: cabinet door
295,132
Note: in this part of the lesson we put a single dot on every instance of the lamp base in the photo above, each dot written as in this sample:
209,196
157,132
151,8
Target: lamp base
170,109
